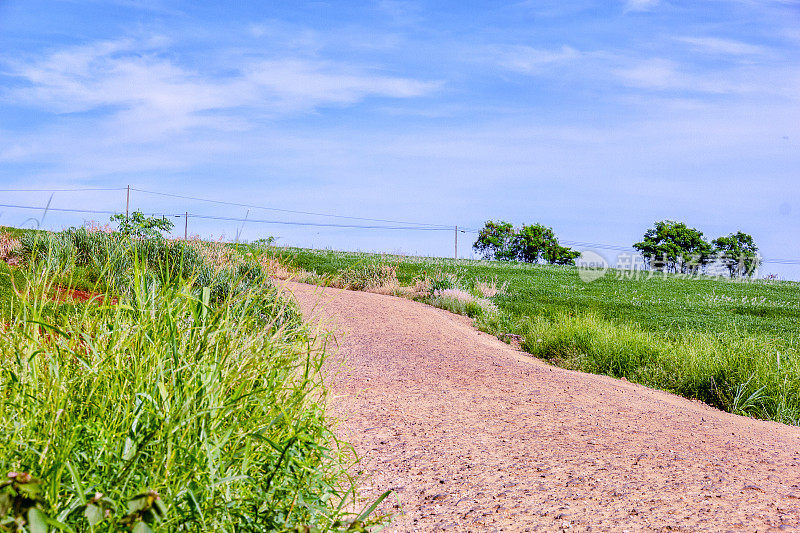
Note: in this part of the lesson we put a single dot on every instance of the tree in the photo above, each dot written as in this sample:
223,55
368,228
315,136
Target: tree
738,253
561,255
141,227
494,241
674,247
531,244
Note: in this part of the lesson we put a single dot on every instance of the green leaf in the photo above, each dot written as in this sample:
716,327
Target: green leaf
206,301
159,509
5,503
30,490
93,514
37,521
138,503
363,516
141,527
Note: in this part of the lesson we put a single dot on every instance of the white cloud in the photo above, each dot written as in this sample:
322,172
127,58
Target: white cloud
132,82
302,84
654,74
402,12
667,75
122,73
640,5
723,46
526,59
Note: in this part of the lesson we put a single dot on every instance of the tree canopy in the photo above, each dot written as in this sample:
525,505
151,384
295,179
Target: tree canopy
532,243
141,227
495,241
738,253
674,247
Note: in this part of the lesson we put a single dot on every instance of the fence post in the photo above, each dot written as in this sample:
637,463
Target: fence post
186,227
455,256
128,203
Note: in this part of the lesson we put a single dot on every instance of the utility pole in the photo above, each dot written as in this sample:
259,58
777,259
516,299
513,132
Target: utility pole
455,256
186,227
128,203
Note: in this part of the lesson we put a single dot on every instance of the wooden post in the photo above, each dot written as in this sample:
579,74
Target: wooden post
128,203
186,227
456,254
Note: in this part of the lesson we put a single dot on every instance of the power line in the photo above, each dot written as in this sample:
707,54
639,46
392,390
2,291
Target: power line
599,245
66,190
61,209
782,261
317,224
419,226
310,213
230,219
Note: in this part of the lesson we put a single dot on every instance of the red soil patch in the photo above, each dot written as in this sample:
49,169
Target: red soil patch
79,295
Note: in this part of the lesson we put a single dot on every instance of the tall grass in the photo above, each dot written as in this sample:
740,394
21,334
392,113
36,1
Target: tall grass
186,406
735,373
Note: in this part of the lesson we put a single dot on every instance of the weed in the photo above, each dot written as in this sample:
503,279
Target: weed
9,248
368,276
194,403
489,288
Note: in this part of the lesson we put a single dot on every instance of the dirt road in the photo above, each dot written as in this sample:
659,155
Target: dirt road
473,435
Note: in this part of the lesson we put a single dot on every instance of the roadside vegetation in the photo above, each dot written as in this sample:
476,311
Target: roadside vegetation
733,344
154,385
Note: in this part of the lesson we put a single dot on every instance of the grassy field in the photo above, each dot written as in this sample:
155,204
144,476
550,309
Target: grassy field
733,345
187,396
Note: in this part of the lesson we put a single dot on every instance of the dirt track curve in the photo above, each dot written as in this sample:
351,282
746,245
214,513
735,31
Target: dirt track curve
473,435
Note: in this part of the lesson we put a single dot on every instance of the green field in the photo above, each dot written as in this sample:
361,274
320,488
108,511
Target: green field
734,345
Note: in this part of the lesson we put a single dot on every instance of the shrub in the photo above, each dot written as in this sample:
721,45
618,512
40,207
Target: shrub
138,226
368,276
184,408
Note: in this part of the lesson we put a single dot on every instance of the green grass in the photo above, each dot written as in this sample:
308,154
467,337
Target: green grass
665,305
194,403
734,345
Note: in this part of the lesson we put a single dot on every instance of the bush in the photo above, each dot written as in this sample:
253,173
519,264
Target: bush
139,226
368,276
186,407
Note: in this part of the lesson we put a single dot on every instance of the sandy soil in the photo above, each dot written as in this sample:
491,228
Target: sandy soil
473,435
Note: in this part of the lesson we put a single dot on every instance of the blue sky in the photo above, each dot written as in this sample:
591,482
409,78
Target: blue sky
595,118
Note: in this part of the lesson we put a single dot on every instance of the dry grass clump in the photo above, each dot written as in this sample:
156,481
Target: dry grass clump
221,256
455,294
9,249
370,277
423,285
402,291
463,303
490,288
276,268
95,227
215,253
